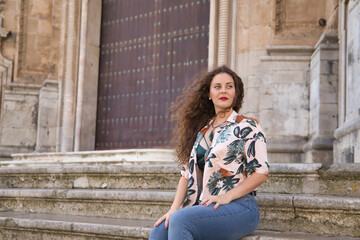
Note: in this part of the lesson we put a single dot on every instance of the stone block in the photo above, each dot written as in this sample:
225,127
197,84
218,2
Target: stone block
259,12
329,67
319,156
251,101
328,119
18,137
328,89
81,182
260,37
44,27
285,122
41,8
282,64
243,42
329,55
244,14
305,11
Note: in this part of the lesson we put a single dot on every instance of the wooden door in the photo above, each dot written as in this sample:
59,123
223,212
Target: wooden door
150,49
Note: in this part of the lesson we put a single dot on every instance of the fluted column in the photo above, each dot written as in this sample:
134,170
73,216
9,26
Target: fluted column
68,107
223,32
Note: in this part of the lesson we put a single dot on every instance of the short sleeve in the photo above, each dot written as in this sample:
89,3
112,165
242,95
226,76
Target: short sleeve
185,172
256,152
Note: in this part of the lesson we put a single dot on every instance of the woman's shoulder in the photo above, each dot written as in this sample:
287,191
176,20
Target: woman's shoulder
241,119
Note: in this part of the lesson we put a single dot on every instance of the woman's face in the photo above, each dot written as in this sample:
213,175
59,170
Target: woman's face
222,91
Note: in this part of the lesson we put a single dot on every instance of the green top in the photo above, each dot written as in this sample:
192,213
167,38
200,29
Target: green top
200,156
200,153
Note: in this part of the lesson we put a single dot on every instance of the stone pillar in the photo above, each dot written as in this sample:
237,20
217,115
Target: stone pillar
284,101
223,32
69,82
47,117
87,89
323,100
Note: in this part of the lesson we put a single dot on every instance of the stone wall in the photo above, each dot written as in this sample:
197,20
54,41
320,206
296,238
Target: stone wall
281,51
273,58
33,49
347,144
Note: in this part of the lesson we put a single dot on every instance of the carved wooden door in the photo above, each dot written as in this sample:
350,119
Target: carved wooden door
149,50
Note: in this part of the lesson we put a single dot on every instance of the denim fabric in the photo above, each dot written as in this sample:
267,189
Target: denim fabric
228,222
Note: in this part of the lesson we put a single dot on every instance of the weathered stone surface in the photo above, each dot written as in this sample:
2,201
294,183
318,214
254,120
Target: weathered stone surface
132,204
48,226
100,176
307,213
290,235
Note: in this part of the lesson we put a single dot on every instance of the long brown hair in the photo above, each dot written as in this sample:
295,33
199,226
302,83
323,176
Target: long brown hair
193,110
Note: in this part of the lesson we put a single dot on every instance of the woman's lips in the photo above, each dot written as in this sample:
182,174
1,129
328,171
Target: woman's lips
223,98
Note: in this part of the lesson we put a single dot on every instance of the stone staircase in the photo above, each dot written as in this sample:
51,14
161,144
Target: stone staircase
121,200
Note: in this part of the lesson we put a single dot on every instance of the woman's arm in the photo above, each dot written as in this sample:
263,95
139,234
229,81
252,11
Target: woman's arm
180,195
247,186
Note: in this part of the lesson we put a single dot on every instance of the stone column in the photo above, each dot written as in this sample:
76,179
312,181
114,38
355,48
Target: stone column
323,100
223,32
69,82
87,88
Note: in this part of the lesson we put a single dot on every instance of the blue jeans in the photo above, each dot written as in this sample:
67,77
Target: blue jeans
232,221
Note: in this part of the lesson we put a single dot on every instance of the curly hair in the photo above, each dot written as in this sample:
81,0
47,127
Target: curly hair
193,110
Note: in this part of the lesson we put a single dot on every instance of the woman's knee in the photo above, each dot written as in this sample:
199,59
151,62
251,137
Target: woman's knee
159,233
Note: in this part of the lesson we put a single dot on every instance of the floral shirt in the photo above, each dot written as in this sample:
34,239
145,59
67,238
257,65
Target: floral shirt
238,149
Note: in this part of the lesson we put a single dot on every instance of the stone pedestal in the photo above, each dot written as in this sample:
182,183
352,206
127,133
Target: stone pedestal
323,100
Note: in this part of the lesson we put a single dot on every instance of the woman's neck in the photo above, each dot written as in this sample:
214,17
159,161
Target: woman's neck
222,116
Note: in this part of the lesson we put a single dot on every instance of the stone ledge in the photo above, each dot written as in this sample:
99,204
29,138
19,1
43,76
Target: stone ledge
113,228
128,156
309,201
272,235
90,194
110,228
93,169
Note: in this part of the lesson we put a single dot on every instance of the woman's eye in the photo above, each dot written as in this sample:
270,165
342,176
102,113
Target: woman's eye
230,86
217,87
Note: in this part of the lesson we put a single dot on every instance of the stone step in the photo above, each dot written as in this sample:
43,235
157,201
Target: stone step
338,180
273,235
154,176
132,204
20,225
331,215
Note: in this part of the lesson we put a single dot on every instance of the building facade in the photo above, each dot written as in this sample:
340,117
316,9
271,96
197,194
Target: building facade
299,60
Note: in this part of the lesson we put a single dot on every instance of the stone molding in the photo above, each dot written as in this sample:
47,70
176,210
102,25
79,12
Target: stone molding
347,128
319,143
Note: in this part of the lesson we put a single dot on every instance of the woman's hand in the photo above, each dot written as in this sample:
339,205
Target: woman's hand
166,217
218,200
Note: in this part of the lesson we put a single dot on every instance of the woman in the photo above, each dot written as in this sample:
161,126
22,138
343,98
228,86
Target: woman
228,161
